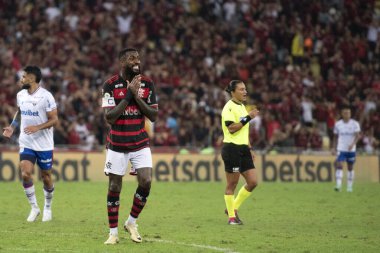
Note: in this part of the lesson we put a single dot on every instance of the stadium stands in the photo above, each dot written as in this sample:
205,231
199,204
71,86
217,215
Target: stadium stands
301,60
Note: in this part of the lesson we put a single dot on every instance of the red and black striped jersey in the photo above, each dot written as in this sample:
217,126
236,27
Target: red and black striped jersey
128,132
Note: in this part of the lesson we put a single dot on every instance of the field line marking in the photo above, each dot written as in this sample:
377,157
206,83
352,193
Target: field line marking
41,233
226,250
39,250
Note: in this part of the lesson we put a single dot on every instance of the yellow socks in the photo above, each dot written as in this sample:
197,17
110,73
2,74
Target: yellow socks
229,199
240,198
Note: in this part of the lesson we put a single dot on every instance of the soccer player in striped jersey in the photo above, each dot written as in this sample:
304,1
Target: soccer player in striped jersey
346,135
36,116
128,98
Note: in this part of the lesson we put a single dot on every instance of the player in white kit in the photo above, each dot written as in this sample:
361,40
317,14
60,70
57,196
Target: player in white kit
346,135
36,116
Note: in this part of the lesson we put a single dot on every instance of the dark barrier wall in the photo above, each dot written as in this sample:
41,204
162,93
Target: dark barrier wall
81,166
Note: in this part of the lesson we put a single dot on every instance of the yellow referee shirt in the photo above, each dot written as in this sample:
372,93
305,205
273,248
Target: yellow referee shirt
234,112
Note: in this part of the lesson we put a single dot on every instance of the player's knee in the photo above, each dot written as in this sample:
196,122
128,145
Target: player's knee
26,176
251,185
145,183
231,186
115,187
338,165
46,177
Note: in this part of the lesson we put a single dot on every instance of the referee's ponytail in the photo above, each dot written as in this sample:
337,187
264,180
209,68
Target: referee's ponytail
232,86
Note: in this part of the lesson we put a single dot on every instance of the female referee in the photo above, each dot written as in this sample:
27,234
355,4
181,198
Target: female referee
236,151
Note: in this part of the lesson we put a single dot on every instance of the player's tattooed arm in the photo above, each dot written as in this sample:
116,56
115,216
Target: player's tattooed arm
150,112
17,117
8,131
112,114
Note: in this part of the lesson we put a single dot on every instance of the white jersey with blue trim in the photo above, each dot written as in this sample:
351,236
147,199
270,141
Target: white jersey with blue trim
34,108
346,132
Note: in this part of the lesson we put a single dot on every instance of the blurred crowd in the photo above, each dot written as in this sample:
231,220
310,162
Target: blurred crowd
301,60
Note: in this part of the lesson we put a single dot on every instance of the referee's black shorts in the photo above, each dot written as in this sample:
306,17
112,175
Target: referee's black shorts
236,158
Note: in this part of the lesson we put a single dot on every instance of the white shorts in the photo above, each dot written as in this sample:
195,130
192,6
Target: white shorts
117,162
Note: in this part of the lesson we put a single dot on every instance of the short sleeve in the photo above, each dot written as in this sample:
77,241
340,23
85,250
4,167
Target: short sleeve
50,103
336,131
228,114
357,127
18,99
152,99
108,99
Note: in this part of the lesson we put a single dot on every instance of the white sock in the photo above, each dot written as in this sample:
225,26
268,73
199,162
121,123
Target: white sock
31,195
48,197
113,231
338,178
131,220
350,178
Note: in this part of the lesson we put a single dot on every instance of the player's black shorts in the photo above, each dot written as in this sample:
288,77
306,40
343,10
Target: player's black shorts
236,158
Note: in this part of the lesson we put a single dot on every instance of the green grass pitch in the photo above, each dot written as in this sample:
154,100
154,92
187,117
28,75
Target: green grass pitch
189,217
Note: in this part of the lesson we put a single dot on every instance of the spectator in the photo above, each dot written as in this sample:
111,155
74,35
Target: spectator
328,51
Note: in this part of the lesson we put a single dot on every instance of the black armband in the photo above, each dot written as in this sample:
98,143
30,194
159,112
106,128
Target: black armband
128,96
245,120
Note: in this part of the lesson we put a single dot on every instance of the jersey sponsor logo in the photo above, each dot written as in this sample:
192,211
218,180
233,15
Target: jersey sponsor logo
29,113
131,110
118,85
120,93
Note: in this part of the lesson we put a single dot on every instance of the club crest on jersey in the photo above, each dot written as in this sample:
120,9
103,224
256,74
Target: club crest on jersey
143,92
